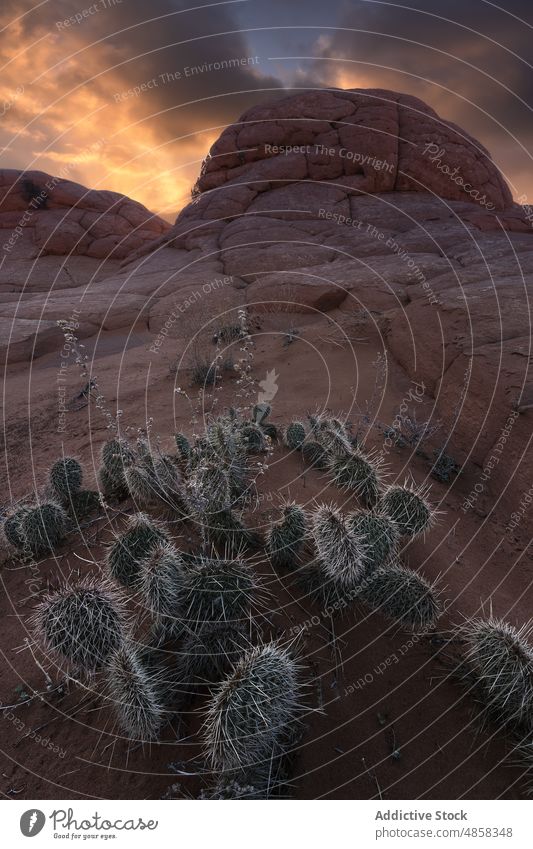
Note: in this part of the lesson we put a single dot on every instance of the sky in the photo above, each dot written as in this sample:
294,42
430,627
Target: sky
119,94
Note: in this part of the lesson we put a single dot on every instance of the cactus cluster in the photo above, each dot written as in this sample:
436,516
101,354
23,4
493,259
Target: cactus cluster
82,624
252,712
403,596
125,555
500,658
286,538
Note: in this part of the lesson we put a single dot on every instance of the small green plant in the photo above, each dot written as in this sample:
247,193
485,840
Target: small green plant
82,624
402,595
444,467
227,333
124,557
66,476
286,538
501,660
253,711
43,527
133,689
341,552
409,509
218,591
379,535
295,436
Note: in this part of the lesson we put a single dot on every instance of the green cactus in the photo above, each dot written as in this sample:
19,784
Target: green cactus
209,653
110,487
379,535
270,430
66,477
314,454
13,528
133,689
183,446
261,412
141,485
500,658
82,624
161,581
43,527
409,509
253,711
211,484
403,596
359,474
295,436
285,538
228,533
340,551
117,454
253,438
84,502
218,591
333,437
124,557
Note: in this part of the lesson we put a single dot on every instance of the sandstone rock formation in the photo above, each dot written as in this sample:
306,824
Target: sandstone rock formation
336,200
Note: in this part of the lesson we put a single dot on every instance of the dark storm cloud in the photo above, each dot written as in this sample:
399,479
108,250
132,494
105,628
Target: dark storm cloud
137,42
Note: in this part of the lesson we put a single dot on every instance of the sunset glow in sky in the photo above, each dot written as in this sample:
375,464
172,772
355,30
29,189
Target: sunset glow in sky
129,95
